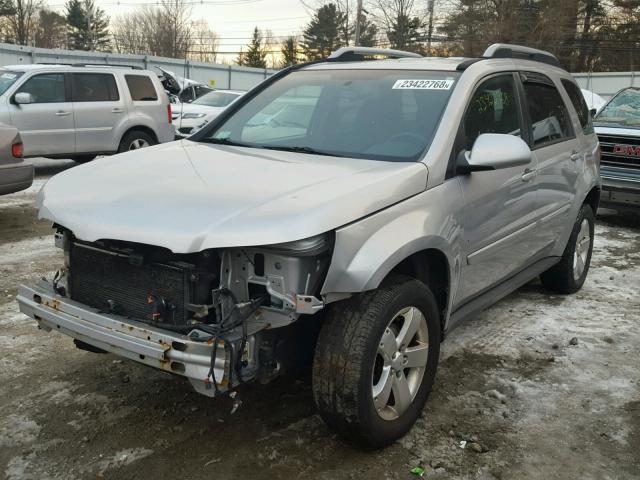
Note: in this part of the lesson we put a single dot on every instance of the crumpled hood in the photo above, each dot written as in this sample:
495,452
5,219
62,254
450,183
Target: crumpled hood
188,196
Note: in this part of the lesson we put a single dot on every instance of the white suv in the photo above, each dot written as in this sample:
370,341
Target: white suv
80,111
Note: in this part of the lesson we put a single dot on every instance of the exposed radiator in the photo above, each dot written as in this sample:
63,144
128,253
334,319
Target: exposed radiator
113,283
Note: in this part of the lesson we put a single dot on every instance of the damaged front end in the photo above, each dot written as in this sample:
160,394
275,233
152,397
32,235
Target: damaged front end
219,317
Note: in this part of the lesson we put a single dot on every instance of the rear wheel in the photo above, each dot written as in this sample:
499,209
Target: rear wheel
376,360
570,273
136,140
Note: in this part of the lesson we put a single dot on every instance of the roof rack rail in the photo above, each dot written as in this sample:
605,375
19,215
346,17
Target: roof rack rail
505,50
355,54
66,64
117,65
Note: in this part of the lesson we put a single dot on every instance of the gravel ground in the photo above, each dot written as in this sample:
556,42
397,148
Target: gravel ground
536,387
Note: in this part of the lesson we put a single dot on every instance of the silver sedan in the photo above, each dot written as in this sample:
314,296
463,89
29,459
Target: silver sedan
15,175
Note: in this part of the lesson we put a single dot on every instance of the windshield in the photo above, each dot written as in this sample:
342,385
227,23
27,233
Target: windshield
216,99
8,78
374,114
623,109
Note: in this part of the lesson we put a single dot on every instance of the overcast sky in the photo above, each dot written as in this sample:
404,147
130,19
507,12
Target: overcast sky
233,20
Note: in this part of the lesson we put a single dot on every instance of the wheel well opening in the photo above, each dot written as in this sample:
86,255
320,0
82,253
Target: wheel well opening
432,268
593,199
141,128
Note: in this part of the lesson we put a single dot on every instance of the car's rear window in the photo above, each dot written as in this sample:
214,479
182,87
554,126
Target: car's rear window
141,88
374,114
94,87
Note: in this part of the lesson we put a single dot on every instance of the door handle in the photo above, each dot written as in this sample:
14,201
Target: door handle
117,110
528,175
62,113
575,156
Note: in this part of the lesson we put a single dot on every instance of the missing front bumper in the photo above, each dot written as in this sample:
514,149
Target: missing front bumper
127,338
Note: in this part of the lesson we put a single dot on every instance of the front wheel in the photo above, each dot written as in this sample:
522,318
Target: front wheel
570,273
376,361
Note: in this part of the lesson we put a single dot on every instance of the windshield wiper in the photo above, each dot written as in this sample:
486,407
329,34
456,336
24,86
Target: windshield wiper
309,150
225,141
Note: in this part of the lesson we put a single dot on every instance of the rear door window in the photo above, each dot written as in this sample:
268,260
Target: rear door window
577,99
141,88
94,87
45,88
550,121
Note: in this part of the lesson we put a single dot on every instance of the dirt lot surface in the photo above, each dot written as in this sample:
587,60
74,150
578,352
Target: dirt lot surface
537,387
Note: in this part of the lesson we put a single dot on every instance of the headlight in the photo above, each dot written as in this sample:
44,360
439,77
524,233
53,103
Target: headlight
307,246
192,115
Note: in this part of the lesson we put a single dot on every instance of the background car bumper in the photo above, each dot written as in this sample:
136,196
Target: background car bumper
168,351
14,178
620,187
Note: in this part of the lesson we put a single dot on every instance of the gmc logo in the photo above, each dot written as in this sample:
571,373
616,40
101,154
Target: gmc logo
627,150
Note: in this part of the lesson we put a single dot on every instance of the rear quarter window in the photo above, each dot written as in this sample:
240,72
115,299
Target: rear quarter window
577,99
141,88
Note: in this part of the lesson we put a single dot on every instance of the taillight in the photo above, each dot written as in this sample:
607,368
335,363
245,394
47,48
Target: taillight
169,113
17,150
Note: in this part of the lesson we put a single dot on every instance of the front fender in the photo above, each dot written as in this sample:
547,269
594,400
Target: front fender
367,250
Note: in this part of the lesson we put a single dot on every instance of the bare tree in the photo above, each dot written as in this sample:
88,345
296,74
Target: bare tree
164,30
205,42
23,23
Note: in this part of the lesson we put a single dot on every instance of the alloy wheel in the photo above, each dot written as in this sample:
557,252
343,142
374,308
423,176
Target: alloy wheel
138,143
400,363
583,244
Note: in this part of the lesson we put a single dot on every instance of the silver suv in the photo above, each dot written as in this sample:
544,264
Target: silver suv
393,199
80,111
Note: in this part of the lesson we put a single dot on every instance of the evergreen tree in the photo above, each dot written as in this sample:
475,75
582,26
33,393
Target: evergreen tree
368,32
256,55
406,33
289,52
87,26
323,33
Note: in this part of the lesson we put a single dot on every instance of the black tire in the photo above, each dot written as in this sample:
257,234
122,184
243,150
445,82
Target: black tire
136,137
561,278
83,158
347,353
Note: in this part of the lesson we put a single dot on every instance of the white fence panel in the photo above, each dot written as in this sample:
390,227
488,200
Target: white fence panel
606,84
218,75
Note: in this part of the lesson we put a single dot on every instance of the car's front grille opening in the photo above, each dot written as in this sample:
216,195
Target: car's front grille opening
620,151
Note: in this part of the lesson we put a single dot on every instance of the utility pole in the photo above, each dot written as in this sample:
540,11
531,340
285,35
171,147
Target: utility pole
358,20
430,30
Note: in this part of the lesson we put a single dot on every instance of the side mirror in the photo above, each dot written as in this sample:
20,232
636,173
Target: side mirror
23,98
593,112
494,151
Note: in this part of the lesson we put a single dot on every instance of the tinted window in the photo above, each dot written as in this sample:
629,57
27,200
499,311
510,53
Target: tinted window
492,109
94,87
577,99
45,88
374,114
549,116
141,88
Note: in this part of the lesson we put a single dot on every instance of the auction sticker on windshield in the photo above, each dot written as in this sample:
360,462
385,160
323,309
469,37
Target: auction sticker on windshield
422,84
